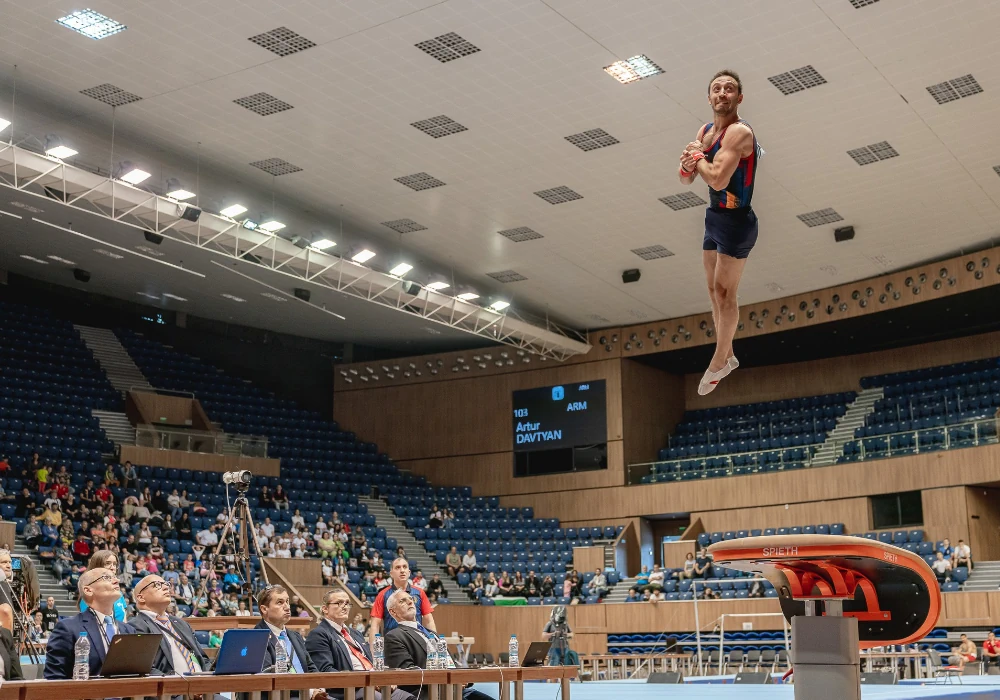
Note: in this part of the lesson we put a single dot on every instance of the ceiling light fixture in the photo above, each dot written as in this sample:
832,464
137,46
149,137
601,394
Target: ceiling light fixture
148,295
363,256
401,269
499,305
60,260
233,210
176,191
632,69
91,23
132,175
467,296
55,148
322,244
271,226
108,254
3,123
34,259
233,297
168,295
438,286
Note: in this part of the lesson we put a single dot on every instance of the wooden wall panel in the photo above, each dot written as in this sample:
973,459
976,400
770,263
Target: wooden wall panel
836,373
7,533
964,609
304,571
936,470
196,461
464,416
984,522
493,474
946,513
852,512
652,405
588,558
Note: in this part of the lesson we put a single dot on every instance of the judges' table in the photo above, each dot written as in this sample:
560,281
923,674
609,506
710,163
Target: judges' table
442,685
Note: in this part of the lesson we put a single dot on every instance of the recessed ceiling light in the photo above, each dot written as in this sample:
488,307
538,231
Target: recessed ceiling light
173,296
233,297
60,260
467,296
134,176
61,152
3,123
322,244
499,305
34,259
180,195
148,295
109,254
632,69
363,256
271,226
233,210
438,286
272,296
401,269
91,23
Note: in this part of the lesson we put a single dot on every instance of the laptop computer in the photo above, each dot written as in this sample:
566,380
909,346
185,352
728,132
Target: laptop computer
242,651
536,654
130,655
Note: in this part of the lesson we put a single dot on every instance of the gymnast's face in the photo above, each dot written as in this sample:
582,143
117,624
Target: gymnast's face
724,95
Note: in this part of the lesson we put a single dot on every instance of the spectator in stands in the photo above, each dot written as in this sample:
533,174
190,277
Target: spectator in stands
453,561
280,498
656,578
942,567
991,651
548,587
962,556
174,501
599,584
436,518
4,466
265,499
469,564
32,532
703,564
965,653
448,521
757,588
633,596
687,571
709,593
81,547
656,595
946,549
208,537
267,528
400,573
642,578
42,477
492,587
50,614
129,475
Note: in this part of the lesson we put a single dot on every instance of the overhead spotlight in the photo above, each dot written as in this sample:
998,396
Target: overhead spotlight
126,172
467,294
437,285
233,210
55,147
322,244
176,191
154,238
271,226
400,269
499,305
3,123
363,256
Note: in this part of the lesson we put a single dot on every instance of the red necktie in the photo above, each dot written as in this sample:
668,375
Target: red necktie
352,645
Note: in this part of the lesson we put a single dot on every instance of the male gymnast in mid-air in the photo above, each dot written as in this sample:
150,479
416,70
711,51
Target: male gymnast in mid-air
725,155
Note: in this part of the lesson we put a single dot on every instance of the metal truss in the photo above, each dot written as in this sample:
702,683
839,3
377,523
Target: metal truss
118,201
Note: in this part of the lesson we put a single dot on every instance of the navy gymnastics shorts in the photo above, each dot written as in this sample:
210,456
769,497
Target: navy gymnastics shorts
730,232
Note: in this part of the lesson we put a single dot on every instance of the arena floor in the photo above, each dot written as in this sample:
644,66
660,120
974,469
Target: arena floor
972,688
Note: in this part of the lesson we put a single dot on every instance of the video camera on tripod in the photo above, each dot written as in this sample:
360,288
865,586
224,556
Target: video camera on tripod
240,479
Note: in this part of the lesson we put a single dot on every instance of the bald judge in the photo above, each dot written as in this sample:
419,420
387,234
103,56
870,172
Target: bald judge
179,651
99,589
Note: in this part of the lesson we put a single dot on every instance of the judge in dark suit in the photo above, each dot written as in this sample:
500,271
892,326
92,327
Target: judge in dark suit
10,657
275,611
179,651
406,645
334,646
99,589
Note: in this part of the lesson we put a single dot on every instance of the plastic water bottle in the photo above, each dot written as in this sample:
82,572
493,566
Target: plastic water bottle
432,655
378,653
81,666
443,657
280,656
512,660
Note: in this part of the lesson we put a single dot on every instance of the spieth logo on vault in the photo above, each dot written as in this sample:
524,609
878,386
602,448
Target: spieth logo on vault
780,551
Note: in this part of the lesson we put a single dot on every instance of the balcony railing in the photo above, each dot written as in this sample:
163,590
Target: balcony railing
200,441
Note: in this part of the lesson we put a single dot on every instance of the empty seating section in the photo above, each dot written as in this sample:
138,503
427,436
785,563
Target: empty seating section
49,383
747,647
750,438
929,409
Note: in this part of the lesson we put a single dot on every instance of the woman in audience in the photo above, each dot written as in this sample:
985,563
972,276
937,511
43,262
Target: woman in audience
492,586
548,587
504,585
436,517
328,571
297,519
184,529
477,586
517,587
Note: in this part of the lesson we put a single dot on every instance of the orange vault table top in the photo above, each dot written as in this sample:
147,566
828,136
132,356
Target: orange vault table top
893,593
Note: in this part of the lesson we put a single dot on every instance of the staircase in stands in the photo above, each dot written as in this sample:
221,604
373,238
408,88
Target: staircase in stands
857,413
123,375
48,584
415,552
619,592
985,576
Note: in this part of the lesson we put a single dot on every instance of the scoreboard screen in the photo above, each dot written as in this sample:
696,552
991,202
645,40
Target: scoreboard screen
552,417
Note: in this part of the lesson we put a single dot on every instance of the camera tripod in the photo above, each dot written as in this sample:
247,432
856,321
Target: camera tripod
241,527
